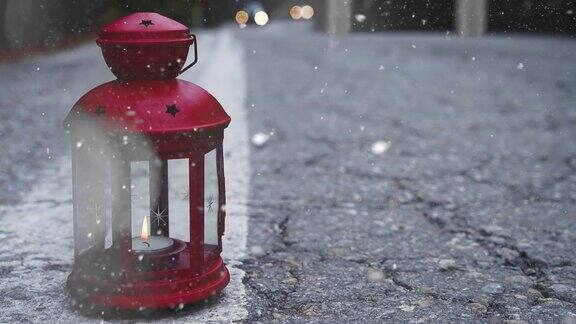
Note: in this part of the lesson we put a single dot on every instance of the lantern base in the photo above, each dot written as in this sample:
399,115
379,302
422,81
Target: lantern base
164,292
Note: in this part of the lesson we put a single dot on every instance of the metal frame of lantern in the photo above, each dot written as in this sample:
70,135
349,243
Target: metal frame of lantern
116,124
185,273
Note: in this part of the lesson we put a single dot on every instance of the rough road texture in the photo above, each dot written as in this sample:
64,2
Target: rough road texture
35,96
468,216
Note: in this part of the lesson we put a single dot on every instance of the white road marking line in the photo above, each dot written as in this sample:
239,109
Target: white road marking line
36,235
225,78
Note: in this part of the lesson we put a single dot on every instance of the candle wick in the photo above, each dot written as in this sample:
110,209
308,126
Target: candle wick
147,244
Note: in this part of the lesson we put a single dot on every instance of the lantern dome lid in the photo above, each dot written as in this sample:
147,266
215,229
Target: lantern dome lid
144,28
161,107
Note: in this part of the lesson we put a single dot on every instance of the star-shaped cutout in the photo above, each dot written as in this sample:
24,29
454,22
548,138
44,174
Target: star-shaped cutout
172,110
146,23
158,216
100,110
185,195
210,203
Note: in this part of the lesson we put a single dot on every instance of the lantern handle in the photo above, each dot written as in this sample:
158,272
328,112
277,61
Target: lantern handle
195,42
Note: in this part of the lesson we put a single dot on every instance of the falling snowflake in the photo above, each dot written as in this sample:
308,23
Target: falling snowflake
260,139
380,147
520,66
257,250
375,275
360,18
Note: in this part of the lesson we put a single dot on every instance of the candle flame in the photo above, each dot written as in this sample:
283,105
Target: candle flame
144,235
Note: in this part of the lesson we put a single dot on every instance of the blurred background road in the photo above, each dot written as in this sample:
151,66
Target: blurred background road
396,171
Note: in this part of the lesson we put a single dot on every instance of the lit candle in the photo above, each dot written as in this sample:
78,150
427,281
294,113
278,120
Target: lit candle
150,244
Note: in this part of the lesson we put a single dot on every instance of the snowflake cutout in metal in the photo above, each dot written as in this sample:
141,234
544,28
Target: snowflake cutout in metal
97,212
210,203
185,194
159,216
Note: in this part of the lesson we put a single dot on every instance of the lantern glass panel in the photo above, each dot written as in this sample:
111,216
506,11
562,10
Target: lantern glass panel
211,201
92,207
179,199
140,195
92,212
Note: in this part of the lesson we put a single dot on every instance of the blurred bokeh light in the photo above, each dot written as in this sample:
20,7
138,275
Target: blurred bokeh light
307,12
296,12
261,18
242,17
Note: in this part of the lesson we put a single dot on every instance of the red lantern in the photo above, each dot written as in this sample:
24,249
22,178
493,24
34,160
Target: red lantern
138,242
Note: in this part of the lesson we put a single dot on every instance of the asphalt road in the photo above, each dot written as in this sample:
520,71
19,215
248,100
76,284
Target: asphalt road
393,177
411,177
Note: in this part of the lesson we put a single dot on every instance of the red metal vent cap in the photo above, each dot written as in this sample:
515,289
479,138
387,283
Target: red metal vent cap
144,28
146,46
